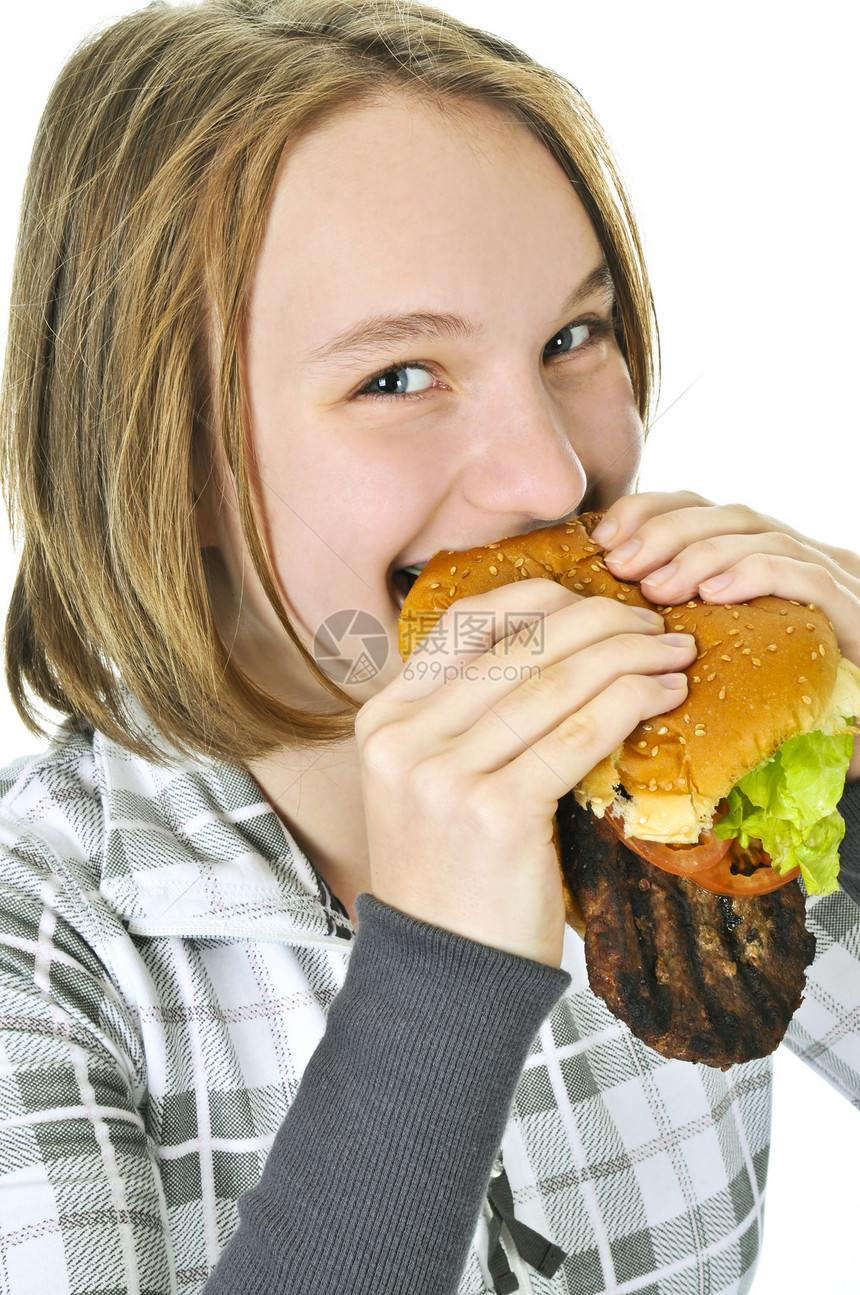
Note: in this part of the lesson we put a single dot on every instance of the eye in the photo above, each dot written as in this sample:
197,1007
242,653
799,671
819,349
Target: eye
569,338
399,380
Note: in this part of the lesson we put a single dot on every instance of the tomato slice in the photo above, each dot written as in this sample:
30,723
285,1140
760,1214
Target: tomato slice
744,872
683,860
723,867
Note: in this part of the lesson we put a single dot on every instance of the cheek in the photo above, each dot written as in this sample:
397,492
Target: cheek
608,436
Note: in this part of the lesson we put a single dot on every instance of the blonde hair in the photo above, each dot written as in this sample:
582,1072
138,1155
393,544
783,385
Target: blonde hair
143,215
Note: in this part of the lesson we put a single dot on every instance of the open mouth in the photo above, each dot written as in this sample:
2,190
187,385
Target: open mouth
403,580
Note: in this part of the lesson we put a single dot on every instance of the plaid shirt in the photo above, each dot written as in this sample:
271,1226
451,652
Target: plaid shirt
168,959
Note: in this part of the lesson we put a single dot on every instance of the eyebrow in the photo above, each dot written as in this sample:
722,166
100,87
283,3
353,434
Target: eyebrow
387,331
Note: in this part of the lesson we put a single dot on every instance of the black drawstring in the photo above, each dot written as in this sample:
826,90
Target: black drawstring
540,1254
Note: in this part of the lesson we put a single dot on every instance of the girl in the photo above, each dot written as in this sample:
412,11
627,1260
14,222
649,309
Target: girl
306,292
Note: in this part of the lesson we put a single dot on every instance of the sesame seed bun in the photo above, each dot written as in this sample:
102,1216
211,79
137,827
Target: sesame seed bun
765,671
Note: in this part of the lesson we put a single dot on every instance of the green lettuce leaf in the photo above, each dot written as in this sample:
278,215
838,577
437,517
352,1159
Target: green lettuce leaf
789,804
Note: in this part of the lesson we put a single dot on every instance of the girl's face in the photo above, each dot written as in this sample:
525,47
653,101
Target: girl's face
430,363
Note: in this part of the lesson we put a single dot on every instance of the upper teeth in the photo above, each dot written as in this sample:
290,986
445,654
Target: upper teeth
416,569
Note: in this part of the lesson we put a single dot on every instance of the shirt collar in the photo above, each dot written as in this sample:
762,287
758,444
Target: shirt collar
193,848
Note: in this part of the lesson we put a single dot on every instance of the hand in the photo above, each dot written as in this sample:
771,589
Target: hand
680,545
465,754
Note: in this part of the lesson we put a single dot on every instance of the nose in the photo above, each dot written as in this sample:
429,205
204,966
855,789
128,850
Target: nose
521,458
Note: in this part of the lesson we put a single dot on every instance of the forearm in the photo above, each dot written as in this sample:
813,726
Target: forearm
375,1181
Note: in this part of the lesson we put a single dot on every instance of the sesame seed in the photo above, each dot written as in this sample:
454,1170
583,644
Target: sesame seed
453,571
789,629
644,818
595,566
691,604
586,580
435,584
652,785
682,740
722,694
622,598
518,562
654,750
642,745
815,656
801,678
807,701
579,585
749,627
734,631
809,625
494,571
662,731
452,591
756,661
493,546
745,651
771,647
712,676
667,786
784,611
821,649
566,548
686,719
811,606
597,800
724,657
697,678
736,615
794,602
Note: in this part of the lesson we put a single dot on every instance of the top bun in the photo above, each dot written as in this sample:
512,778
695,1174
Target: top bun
765,671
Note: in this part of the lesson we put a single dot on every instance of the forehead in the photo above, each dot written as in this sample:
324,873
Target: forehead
398,199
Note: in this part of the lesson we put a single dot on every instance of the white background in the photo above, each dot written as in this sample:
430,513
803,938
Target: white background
736,126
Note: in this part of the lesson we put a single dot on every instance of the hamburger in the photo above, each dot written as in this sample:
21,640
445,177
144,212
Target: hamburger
680,851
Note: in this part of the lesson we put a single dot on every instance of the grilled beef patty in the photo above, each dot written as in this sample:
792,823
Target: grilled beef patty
696,976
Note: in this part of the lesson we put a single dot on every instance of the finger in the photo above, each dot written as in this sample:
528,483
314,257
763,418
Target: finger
458,693
629,513
703,567
558,761
760,574
521,622
659,540
546,697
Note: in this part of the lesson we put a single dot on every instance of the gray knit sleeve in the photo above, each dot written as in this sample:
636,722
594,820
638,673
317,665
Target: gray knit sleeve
375,1181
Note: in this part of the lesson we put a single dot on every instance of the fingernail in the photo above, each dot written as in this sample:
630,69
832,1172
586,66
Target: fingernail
626,552
661,575
716,583
679,640
672,680
653,618
604,531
